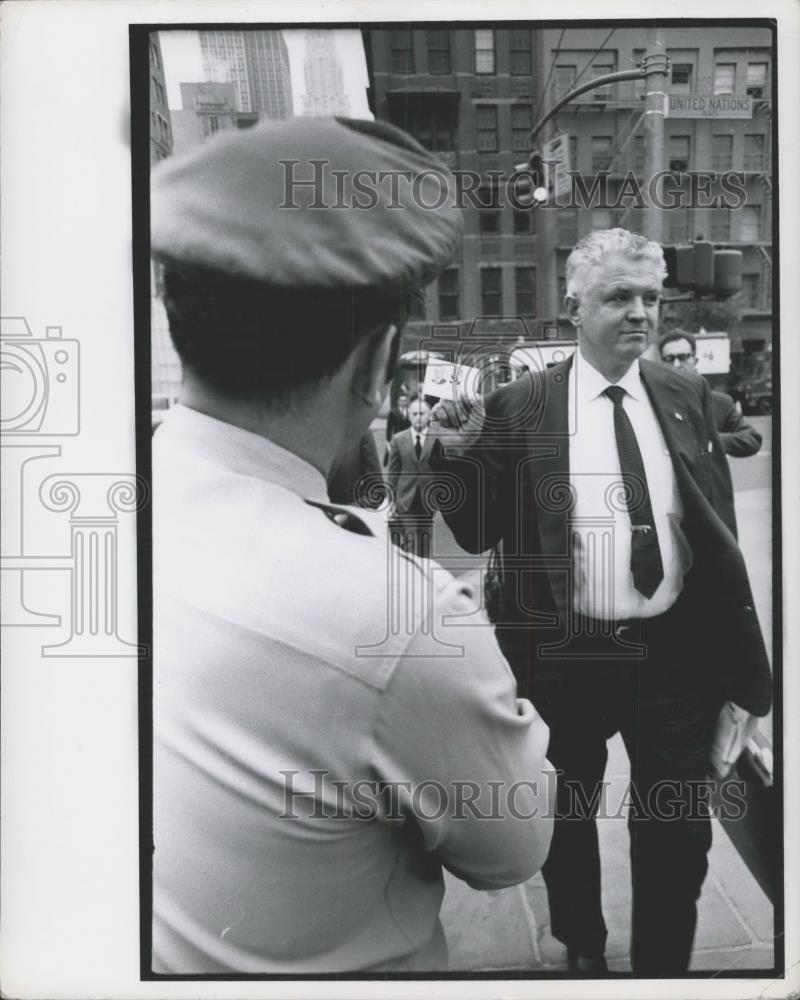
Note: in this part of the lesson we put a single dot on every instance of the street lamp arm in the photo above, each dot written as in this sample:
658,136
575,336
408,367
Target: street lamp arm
599,81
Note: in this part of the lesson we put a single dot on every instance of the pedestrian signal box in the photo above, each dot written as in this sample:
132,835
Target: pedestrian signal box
698,267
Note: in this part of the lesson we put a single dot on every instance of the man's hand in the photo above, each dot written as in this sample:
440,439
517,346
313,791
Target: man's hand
735,726
457,425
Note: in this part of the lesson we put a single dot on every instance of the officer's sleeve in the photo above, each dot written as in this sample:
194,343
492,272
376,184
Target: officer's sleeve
464,756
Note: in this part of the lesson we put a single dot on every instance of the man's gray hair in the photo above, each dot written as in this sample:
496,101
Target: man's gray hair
595,247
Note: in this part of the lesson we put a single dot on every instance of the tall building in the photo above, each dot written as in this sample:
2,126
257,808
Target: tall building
160,129
325,93
256,63
207,108
471,95
164,364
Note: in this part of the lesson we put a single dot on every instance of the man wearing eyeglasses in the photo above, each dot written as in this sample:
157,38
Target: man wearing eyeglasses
738,438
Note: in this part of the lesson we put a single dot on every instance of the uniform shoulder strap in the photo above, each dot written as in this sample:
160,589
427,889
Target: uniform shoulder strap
345,517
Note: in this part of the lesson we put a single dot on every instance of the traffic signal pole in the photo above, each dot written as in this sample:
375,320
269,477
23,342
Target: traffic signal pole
655,65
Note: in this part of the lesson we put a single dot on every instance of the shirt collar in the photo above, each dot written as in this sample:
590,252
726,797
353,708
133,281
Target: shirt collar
591,384
243,452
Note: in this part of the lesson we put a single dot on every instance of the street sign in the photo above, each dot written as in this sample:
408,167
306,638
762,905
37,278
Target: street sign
709,106
555,153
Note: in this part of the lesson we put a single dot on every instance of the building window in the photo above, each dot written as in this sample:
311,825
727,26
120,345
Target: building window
751,291
434,127
567,222
521,125
525,281
154,56
401,43
724,78
521,60
561,286
163,129
721,152
720,225
682,78
679,148
573,152
484,50
489,211
602,218
601,152
160,98
678,225
448,294
604,93
439,53
491,291
754,152
523,221
486,120
750,224
565,79
756,79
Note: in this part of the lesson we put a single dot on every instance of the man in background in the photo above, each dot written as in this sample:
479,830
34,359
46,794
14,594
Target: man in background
411,481
739,439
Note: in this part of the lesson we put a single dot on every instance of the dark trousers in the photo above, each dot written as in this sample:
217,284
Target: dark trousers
412,529
665,713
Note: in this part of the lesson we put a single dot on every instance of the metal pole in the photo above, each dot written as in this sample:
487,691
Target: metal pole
593,84
655,65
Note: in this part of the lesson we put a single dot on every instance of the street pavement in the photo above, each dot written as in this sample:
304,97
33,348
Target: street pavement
509,929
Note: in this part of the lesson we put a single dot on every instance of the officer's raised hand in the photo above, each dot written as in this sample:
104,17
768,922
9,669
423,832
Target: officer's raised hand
457,424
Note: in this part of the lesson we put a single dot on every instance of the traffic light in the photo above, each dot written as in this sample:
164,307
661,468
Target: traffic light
529,187
698,267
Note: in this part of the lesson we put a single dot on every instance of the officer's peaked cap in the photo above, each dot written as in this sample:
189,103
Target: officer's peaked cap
325,204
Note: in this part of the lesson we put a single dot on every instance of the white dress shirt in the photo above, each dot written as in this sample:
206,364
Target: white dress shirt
600,523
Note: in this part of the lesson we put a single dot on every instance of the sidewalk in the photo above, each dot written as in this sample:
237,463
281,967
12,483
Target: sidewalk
509,929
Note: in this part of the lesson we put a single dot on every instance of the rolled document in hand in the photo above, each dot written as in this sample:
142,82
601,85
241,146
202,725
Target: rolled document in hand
446,380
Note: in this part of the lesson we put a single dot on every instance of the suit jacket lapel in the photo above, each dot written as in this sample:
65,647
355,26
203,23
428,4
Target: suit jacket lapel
550,481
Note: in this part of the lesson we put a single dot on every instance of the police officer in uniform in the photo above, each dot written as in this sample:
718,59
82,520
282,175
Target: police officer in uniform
309,748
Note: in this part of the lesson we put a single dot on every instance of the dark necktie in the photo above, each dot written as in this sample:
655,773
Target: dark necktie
418,447
646,564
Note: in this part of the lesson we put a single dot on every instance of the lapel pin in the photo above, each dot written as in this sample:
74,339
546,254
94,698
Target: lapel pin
678,416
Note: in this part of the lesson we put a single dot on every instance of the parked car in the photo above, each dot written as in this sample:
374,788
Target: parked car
752,387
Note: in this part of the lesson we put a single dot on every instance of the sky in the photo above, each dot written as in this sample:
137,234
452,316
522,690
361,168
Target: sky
183,64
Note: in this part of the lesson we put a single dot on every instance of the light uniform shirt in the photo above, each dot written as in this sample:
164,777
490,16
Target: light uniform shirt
603,581
275,657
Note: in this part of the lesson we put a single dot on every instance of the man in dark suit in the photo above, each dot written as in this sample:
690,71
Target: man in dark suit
626,603
739,439
411,478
